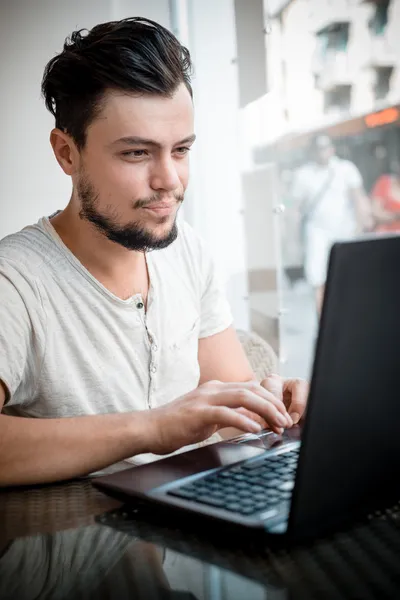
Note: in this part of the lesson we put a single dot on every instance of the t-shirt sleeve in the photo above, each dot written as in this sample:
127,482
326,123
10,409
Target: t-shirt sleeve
21,333
216,315
354,179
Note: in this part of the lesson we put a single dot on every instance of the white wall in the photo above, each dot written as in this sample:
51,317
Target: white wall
216,195
31,182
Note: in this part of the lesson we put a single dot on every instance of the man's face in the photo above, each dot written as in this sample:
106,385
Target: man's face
134,168
324,154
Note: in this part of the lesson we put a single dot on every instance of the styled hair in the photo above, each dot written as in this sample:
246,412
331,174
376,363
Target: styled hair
133,55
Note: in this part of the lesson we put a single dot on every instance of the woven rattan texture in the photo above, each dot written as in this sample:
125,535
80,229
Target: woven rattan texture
260,354
44,509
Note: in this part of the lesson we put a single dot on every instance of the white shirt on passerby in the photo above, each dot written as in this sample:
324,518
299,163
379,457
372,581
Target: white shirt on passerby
324,191
335,211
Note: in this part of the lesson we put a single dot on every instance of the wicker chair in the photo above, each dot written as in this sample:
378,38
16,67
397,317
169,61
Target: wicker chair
262,357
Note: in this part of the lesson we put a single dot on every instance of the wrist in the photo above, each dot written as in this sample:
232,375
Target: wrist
143,431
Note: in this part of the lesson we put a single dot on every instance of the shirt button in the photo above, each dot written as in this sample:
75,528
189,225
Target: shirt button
155,347
139,305
153,368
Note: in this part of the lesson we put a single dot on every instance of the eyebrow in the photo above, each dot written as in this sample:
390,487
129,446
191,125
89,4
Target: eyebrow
139,141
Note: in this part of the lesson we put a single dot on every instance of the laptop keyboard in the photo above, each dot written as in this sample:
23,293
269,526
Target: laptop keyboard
247,488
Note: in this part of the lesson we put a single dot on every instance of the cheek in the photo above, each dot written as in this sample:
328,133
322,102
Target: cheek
124,179
183,172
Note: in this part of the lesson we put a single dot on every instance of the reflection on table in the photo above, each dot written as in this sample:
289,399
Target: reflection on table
71,541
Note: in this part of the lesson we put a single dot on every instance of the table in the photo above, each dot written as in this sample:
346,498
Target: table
71,541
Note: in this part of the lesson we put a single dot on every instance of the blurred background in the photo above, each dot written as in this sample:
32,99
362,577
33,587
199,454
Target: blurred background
269,75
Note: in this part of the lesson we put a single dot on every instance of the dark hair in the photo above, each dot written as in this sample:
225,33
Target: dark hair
134,55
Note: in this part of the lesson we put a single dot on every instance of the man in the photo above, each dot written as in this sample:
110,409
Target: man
330,198
95,329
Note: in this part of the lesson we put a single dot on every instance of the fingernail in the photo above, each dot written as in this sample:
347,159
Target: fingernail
278,430
295,417
256,427
289,421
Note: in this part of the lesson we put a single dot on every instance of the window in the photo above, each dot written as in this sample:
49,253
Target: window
335,39
338,99
377,24
382,85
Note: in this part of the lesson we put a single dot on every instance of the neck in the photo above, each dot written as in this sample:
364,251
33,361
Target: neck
99,255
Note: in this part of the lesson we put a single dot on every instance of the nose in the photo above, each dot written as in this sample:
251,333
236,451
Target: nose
165,176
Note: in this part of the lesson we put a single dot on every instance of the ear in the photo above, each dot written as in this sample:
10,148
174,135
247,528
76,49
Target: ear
65,151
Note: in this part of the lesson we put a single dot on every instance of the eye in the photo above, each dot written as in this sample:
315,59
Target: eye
134,153
182,150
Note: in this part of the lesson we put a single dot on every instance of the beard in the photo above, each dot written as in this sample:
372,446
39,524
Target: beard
133,235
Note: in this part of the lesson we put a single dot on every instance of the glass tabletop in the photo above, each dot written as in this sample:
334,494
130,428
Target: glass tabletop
71,541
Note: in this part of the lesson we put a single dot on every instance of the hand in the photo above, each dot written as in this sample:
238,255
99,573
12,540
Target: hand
292,392
210,407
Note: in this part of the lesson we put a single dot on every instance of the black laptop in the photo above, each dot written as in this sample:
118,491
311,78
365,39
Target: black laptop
346,462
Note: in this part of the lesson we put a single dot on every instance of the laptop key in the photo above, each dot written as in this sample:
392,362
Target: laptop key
256,489
233,506
255,464
217,502
274,483
183,493
230,498
286,486
286,495
248,510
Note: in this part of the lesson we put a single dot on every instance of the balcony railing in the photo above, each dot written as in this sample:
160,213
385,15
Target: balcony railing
379,53
332,70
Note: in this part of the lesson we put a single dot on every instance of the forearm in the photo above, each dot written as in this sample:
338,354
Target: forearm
363,209
381,214
46,450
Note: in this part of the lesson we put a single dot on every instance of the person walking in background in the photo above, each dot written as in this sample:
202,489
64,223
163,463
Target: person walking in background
386,200
332,205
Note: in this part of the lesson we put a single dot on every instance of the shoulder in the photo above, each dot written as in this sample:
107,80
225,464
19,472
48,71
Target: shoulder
346,165
349,172
382,185
27,249
23,258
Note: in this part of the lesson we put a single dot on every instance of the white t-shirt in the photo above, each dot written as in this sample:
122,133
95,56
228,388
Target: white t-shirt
335,211
70,347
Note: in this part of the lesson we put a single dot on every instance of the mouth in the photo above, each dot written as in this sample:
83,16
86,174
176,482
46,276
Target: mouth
161,208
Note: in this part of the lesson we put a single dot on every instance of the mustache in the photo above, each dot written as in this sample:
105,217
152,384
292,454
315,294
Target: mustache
156,199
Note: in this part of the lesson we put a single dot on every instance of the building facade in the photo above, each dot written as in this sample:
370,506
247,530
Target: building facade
329,60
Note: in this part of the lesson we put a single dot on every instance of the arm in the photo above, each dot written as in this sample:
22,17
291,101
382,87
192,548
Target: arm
222,358
380,214
363,209
45,450
360,200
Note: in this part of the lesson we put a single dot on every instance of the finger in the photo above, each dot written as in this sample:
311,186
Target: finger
258,389
274,384
253,402
253,416
227,417
298,390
